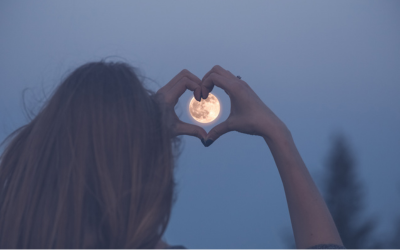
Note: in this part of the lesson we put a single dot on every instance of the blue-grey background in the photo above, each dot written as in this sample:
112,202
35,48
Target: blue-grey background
321,66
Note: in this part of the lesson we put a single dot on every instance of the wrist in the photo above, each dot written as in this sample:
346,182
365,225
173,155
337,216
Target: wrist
280,133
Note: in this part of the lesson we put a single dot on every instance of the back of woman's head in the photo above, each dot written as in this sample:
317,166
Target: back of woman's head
93,169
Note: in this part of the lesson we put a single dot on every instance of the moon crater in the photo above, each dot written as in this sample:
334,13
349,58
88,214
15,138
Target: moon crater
205,111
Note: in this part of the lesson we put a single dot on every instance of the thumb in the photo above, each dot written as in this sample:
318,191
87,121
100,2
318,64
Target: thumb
183,128
216,132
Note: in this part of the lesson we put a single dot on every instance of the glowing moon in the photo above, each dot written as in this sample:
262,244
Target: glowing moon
206,110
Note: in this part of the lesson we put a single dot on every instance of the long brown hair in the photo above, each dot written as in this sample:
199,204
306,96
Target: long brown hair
93,169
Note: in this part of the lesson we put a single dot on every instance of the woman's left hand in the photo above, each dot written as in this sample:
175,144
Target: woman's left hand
167,97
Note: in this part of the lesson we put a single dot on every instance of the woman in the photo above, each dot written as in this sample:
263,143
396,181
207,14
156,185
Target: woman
94,168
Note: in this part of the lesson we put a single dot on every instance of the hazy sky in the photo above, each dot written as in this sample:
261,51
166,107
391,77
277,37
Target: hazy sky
321,66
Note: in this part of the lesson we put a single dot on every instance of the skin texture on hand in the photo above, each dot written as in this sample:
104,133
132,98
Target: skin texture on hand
248,113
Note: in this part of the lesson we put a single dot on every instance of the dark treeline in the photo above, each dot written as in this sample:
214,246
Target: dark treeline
344,194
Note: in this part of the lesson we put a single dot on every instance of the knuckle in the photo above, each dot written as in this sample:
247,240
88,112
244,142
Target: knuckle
185,79
185,72
217,67
212,75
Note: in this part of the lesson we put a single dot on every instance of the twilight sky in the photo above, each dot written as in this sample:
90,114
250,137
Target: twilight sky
322,67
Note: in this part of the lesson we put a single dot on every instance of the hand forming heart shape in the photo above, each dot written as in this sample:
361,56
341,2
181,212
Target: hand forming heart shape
248,113
167,97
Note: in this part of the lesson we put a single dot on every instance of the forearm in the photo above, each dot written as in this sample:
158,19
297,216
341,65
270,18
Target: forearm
311,220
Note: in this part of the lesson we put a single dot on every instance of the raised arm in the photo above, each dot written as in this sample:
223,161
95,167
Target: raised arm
311,220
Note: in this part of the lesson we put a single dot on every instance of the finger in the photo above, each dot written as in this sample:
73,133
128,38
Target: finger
214,79
197,94
179,76
181,86
183,128
231,75
220,71
216,132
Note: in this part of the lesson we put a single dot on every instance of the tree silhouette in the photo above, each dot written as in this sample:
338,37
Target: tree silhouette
395,241
344,198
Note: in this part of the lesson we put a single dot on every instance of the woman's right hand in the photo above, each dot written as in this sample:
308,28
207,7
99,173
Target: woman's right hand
248,113
167,97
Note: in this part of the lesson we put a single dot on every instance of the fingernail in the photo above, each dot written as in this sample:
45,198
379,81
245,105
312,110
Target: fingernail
204,143
208,142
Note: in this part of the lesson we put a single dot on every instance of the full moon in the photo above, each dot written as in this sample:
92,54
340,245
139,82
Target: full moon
206,110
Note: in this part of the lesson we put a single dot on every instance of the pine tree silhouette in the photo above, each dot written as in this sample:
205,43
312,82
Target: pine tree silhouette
344,197
395,241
